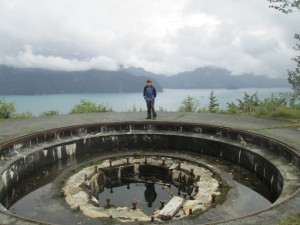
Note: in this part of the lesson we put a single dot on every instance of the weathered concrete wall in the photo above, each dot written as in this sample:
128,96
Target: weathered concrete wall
251,150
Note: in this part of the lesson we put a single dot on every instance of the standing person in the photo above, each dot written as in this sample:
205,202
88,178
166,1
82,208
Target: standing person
149,96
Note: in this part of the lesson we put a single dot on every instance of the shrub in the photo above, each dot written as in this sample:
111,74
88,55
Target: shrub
50,113
248,103
261,111
135,109
22,115
86,106
287,113
232,109
6,109
162,109
189,104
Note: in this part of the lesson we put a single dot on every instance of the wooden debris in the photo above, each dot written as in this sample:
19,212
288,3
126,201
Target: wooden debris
171,208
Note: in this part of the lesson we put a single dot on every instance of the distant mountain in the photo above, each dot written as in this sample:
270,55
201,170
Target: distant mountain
211,78
139,71
14,81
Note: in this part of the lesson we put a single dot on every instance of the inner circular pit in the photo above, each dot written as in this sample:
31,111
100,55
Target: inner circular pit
184,188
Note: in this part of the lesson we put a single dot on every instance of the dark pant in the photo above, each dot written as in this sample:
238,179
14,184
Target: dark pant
150,108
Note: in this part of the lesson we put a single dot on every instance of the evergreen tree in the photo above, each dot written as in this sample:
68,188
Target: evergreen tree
213,105
294,75
290,6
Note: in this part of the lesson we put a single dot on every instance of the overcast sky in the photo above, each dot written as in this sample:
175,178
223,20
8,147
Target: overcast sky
162,36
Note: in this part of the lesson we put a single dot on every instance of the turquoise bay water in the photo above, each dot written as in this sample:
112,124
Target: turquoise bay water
169,99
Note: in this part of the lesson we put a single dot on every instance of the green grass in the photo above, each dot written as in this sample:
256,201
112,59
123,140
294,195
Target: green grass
276,108
291,221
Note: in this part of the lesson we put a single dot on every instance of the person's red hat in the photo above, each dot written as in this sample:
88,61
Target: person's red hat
149,81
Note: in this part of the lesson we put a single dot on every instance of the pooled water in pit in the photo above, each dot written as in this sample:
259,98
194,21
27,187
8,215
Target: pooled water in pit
147,195
42,202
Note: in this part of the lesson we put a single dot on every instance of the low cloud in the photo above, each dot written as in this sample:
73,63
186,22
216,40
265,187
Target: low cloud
164,37
27,59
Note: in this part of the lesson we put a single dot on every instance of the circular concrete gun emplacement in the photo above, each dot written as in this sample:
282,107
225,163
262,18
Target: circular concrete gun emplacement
180,169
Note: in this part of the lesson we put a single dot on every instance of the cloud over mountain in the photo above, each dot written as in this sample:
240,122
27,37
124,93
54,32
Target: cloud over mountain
161,36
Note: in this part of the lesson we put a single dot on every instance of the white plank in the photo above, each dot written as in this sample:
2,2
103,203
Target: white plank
171,208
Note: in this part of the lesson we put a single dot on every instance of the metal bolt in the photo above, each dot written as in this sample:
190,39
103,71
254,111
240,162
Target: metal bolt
128,187
198,177
179,176
179,165
184,195
152,218
96,169
179,191
213,197
163,161
85,177
134,203
110,162
78,207
146,160
190,211
127,160
192,171
162,203
196,188
111,190
220,184
62,193
183,178
108,202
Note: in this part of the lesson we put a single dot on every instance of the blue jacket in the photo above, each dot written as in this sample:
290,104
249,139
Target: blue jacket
149,93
